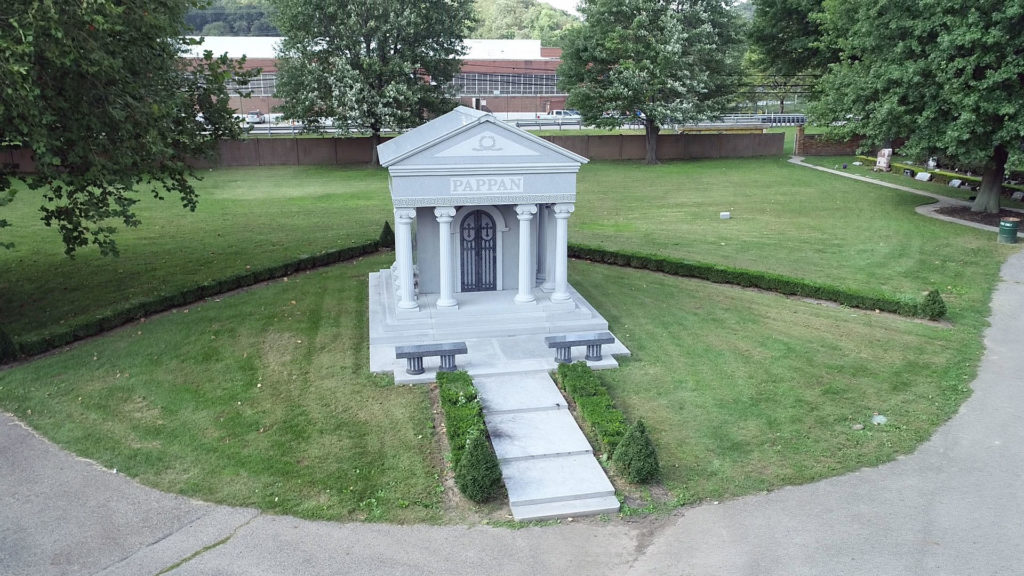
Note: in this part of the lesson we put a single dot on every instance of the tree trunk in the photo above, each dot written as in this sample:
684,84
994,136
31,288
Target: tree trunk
992,182
374,141
782,105
651,130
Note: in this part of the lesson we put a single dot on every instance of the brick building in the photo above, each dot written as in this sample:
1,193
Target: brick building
502,76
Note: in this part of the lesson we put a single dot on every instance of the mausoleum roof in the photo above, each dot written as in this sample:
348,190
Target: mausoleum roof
521,145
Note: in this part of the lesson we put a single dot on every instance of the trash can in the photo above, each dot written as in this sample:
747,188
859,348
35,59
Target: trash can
1008,228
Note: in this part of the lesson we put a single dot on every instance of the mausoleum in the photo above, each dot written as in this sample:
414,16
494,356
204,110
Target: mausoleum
482,215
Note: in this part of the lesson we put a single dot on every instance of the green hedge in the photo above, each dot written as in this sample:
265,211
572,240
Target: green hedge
91,327
903,305
593,403
477,473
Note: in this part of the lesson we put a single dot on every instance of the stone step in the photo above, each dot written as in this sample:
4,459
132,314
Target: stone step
525,435
509,393
555,479
566,509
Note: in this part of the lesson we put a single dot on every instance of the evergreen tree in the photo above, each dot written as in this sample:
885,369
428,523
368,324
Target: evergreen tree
635,456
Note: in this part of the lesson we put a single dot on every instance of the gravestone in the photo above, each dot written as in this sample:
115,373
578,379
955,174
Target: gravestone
923,177
908,172
955,183
884,160
1018,195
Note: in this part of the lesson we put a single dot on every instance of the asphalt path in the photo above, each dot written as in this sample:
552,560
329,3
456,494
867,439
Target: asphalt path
955,506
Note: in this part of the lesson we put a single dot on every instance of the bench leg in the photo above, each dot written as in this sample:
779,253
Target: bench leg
448,363
593,352
563,355
414,366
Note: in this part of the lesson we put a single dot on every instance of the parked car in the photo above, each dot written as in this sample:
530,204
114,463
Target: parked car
563,114
255,117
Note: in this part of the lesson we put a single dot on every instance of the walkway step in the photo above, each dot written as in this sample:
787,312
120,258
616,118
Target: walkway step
555,479
568,509
524,435
546,462
518,392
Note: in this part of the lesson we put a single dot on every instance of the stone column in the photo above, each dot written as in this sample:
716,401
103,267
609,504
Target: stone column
403,253
527,276
444,215
548,246
562,213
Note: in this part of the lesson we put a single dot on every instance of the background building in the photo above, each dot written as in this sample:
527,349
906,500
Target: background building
501,76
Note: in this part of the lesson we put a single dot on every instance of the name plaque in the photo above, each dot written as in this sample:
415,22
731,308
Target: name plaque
486,184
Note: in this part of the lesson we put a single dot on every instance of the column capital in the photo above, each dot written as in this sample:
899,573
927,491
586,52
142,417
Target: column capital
444,213
405,215
562,211
526,211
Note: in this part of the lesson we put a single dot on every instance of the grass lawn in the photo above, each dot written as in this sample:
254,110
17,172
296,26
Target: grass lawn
263,398
789,220
246,217
896,177
745,391
255,400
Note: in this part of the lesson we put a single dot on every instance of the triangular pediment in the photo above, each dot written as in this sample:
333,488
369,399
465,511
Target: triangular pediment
466,137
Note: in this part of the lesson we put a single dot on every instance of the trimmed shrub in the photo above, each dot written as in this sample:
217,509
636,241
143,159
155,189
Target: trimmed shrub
478,474
594,403
463,416
933,306
635,457
8,349
387,237
901,305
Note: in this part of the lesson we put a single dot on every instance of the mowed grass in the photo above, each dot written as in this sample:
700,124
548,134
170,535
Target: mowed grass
745,391
789,220
246,218
263,398
897,177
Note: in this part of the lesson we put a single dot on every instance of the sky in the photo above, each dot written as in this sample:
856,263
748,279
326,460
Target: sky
567,5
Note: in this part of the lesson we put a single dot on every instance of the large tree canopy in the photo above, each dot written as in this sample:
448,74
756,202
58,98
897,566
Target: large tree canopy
371,63
100,93
947,75
787,35
522,19
664,61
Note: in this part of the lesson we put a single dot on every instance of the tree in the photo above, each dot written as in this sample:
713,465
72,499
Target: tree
100,93
635,456
787,35
950,79
664,61
373,63
764,82
521,19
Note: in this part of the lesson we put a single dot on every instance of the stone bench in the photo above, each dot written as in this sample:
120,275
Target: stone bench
414,354
592,340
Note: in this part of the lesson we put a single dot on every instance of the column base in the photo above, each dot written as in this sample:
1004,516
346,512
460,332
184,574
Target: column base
563,297
450,304
520,299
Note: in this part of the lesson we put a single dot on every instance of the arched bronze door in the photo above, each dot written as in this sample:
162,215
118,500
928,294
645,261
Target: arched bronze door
479,255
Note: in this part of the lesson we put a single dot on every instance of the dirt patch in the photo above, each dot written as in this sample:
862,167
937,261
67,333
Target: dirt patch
965,213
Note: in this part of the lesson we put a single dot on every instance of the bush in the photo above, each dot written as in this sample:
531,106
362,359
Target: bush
933,306
387,237
751,278
8,349
594,403
635,457
463,415
478,474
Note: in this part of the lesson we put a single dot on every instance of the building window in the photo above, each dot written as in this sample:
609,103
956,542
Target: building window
261,86
473,84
